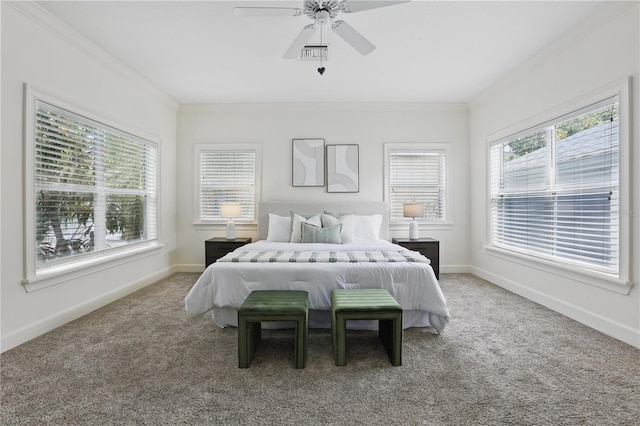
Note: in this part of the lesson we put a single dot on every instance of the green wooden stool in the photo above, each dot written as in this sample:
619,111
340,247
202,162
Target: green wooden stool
272,305
366,304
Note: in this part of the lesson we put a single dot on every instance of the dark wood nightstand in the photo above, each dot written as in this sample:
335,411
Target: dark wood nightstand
428,247
215,248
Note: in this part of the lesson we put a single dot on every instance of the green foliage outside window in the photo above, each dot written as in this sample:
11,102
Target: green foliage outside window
87,177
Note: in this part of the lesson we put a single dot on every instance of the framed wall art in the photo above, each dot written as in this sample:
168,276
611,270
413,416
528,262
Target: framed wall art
343,168
308,162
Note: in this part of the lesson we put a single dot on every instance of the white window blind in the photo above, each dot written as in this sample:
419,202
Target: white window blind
227,175
417,175
555,191
95,187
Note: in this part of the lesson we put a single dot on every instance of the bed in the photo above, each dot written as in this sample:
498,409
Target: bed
332,246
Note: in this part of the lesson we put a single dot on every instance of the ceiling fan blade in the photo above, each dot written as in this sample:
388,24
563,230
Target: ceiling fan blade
350,6
300,41
354,38
267,11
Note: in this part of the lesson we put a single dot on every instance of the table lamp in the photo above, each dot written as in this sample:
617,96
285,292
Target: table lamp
231,210
413,210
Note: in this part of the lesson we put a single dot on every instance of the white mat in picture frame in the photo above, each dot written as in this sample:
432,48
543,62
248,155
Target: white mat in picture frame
343,168
308,162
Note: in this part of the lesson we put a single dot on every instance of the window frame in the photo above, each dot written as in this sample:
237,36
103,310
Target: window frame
619,282
225,147
431,147
37,278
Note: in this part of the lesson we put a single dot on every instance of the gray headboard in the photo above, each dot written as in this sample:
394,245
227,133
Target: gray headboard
283,208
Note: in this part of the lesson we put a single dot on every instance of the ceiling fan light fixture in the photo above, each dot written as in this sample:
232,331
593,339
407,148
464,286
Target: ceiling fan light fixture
322,17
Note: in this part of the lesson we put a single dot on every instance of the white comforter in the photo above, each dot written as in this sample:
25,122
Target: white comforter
223,286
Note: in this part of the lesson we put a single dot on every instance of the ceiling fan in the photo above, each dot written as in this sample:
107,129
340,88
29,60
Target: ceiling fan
323,12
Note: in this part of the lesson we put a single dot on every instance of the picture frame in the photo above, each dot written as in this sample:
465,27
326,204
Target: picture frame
343,168
308,162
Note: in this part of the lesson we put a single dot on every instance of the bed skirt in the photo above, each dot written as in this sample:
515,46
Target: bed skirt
228,317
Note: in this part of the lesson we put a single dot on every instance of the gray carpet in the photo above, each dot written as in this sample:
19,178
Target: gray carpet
501,360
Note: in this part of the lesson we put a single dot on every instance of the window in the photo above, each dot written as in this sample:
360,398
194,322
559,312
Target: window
227,173
416,173
555,190
92,188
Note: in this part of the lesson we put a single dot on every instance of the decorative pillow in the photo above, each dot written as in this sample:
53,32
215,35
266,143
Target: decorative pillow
314,234
279,228
346,220
296,225
367,227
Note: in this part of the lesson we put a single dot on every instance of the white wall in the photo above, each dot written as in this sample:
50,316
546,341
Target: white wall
40,51
368,125
603,50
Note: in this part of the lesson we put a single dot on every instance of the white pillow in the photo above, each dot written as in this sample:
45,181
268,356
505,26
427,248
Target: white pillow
367,227
296,227
347,221
279,228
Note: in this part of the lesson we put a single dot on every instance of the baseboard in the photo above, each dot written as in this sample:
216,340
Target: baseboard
604,325
455,269
189,267
45,325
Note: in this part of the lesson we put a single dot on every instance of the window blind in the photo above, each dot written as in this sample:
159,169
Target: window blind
227,176
555,192
95,186
417,176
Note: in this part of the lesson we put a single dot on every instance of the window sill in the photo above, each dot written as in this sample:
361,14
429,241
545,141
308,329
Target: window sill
594,278
59,274
223,226
404,226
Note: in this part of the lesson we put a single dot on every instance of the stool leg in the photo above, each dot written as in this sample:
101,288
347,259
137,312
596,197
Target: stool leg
243,343
255,335
397,341
249,335
340,331
301,343
334,335
385,332
390,333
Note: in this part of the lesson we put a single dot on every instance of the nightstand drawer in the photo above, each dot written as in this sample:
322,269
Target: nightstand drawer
428,247
215,248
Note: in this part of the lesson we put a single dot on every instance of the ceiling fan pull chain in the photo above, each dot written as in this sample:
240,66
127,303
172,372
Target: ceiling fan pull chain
321,69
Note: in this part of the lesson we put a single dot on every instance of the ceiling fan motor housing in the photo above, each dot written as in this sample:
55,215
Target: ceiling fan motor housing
321,11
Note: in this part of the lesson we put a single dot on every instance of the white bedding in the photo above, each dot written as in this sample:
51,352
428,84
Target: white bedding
223,286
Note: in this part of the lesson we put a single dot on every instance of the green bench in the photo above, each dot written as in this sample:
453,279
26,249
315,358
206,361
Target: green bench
366,304
272,305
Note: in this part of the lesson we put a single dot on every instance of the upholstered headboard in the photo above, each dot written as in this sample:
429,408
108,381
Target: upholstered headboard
283,208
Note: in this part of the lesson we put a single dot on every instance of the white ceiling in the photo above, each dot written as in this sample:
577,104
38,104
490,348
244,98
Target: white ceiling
427,51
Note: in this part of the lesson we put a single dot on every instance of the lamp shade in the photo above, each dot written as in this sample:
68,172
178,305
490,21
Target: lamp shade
413,210
231,210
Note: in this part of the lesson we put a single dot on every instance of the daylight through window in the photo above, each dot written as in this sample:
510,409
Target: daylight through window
95,187
555,190
417,176
227,174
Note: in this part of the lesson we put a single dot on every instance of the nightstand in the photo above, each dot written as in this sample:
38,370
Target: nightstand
428,247
215,248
